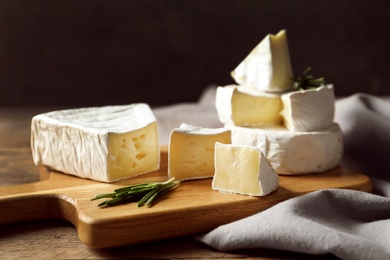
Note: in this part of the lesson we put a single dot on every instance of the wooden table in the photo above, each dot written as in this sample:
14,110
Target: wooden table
56,239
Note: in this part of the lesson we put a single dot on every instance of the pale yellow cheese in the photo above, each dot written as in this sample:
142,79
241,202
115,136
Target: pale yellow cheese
133,152
282,76
244,170
240,106
268,66
100,143
191,151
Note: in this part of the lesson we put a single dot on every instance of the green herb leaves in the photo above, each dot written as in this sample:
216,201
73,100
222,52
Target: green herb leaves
144,193
306,81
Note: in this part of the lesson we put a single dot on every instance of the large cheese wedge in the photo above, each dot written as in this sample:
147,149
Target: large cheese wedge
191,151
268,65
100,143
241,106
309,110
244,170
293,153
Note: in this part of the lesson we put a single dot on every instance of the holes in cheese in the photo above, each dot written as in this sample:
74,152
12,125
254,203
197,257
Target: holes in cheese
309,110
100,143
244,170
132,153
268,65
241,106
191,151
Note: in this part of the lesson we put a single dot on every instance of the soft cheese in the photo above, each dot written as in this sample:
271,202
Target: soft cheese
240,106
244,170
100,143
191,151
268,65
309,110
294,153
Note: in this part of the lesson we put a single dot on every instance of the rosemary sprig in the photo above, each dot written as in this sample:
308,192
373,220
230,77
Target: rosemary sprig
306,81
144,193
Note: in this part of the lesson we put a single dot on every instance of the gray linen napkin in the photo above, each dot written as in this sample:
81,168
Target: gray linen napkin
348,224
202,113
365,121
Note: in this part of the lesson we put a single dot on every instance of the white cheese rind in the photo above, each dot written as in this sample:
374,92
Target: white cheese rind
268,66
85,142
293,153
191,151
243,170
241,106
309,110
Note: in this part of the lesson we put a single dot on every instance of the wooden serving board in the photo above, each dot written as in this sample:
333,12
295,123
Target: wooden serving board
193,207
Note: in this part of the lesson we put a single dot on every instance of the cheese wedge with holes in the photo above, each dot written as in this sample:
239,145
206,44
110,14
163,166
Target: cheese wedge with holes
191,151
240,106
309,110
268,66
293,153
243,170
100,143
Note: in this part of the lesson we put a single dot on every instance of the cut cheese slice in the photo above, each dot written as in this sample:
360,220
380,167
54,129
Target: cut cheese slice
191,151
268,66
244,170
309,110
293,153
100,143
241,106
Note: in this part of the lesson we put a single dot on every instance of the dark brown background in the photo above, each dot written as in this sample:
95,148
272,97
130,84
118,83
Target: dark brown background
82,53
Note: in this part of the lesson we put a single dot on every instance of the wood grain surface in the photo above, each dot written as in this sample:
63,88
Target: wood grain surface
59,239
191,208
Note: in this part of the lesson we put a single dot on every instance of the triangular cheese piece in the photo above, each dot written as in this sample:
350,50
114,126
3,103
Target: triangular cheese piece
268,66
243,169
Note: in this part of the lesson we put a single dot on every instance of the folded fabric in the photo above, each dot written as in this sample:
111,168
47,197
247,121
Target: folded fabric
365,121
349,224
203,114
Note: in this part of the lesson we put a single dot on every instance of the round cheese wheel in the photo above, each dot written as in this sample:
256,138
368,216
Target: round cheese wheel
293,153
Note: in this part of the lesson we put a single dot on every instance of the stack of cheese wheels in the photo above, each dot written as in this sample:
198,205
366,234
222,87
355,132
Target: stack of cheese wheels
294,129
198,153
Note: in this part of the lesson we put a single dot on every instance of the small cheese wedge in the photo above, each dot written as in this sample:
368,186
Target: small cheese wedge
100,143
242,106
268,65
191,151
244,170
309,110
294,153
